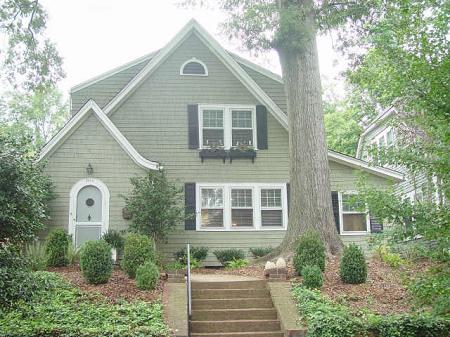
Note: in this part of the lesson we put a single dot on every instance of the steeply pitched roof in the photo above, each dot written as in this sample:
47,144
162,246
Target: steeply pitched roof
75,121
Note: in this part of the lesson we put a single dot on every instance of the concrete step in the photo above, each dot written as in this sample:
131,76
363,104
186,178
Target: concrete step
235,326
230,285
241,334
235,303
229,293
233,314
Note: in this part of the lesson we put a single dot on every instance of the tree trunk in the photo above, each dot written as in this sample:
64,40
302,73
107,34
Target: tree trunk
310,198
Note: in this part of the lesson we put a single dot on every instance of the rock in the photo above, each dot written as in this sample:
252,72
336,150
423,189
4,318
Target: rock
269,265
281,263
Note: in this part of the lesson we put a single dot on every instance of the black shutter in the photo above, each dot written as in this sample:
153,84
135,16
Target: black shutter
193,126
335,203
261,127
375,225
189,203
288,192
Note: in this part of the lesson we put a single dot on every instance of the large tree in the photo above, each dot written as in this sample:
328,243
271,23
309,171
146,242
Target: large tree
290,27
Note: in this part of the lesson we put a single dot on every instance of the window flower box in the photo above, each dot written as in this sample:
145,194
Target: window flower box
213,153
242,153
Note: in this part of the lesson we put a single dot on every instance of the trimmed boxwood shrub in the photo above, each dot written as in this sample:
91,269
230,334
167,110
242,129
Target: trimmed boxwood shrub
95,261
57,248
312,277
310,251
260,251
227,255
147,276
353,267
138,249
197,253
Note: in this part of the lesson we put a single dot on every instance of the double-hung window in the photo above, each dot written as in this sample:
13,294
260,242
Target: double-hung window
227,126
355,218
241,206
271,207
212,215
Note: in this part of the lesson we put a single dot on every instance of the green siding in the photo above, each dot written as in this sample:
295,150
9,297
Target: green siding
154,120
104,90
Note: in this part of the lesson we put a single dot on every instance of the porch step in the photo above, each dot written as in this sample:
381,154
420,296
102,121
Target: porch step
233,303
241,334
229,293
230,285
234,314
235,326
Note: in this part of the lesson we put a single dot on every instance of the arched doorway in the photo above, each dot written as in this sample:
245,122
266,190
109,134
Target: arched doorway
89,210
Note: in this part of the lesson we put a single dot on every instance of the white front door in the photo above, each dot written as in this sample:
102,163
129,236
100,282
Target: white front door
89,211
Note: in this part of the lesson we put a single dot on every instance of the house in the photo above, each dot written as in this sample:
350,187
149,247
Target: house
385,131
187,108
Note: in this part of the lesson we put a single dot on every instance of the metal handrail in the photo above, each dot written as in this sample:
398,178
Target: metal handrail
188,286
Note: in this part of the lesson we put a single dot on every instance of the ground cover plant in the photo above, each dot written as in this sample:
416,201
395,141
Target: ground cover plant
325,318
59,309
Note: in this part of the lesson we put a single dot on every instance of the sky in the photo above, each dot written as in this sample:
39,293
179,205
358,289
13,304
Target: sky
94,36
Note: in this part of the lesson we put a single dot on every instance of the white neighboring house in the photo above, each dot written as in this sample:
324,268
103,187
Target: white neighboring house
383,131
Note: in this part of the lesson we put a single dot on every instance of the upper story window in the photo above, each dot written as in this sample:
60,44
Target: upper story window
227,126
194,67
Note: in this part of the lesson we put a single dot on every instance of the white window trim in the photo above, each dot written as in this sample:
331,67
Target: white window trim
341,217
227,122
256,198
197,61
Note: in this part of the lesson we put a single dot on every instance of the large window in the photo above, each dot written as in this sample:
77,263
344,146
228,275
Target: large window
227,126
242,206
354,215
212,207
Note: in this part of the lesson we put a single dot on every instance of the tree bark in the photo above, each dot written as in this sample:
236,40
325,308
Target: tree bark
310,199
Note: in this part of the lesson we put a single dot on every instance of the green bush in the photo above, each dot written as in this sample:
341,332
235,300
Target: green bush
260,251
227,255
95,261
353,266
115,239
175,265
310,251
147,276
138,249
198,253
312,277
236,264
57,248
383,252
63,310
35,253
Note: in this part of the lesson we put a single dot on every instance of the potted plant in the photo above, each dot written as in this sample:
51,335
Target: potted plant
116,241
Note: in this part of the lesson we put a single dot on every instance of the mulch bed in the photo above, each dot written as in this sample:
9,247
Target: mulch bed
383,293
119,286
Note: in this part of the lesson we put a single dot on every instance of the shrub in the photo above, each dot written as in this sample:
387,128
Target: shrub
384,253
95,261
36,256
310,251
198,253
147,276
73,253
114,239
226,255
57,247
260,251
138,249
312,277
195,263
175,265
353,267
236,264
